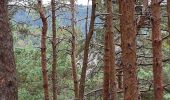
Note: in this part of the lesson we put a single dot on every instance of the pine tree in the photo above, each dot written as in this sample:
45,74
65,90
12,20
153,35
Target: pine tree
8,80
43,49
74,49
54,48
156,50
128,45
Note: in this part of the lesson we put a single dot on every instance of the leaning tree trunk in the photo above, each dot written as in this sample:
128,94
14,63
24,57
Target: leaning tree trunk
86,51
157,55
43,49
128,45
54,45
73,51
109,86
8,81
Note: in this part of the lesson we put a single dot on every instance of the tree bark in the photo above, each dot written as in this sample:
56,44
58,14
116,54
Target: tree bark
73,51
54,45
8,78
128,44
109,57
86,51
157,55
168,11
106,67
43,49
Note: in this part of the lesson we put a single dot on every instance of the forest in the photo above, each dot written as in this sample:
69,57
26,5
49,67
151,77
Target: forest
84,49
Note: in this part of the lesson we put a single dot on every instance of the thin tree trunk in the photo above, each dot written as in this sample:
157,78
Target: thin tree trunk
122,29
157,55
168,11
86,51
8,81
106,67
109,57
128,44
73,51
140,24
54,45
87,17
43,49
120,79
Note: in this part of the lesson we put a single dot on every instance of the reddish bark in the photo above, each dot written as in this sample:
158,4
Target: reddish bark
128,44
106,68
73,51
43,49
54,45
157,55
109,57
86,51
8,82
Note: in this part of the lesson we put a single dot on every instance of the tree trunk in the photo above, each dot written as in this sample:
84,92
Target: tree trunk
106,67
54,45
157,55
120,79
73,51
8,81
86,51
128,44
109,57
43,49
168,11
122,28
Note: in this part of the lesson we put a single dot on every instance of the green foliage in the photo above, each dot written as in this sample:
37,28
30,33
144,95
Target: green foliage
144,73
167,96
28,61
29,73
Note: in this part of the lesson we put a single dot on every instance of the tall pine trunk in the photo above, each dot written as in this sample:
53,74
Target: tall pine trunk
86,51
43,49
106,77
54,45
157,55
8,81
109,88
73,51
128,45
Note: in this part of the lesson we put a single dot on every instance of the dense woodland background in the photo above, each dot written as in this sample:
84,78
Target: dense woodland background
105,50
